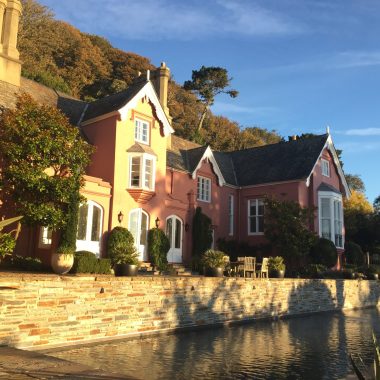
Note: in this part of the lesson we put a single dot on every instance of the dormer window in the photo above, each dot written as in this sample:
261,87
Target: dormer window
325,168
142,170
142,131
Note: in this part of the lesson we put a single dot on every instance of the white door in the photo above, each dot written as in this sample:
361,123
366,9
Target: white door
138,225
174,233
89,227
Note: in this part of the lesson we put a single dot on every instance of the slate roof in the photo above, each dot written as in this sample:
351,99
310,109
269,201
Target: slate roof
281,162
112,102
325,187
284,161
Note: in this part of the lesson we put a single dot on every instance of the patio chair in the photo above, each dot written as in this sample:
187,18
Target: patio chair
240,268
227,267
263,271
250,266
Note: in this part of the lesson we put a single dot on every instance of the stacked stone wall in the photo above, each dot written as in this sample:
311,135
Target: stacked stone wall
43,311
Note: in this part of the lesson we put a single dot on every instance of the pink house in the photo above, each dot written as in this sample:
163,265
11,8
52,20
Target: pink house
142,174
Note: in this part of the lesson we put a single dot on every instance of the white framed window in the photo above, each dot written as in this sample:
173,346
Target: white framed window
90,221
204,189
45,237
331,217
231,215
325,167
255,217
142,131
142,168
139,225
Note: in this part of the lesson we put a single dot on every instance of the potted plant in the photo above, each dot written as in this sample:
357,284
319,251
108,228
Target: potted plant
122,252
276,267
213,261
62,260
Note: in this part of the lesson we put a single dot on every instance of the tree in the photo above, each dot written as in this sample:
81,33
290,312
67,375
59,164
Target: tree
202,233
206,83
287,227
376,205
355,183
44,159
359,220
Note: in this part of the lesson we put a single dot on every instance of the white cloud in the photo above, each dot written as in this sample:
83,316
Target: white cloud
221,107
363,132
165,19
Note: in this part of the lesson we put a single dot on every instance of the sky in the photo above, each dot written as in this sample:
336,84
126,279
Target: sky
299,65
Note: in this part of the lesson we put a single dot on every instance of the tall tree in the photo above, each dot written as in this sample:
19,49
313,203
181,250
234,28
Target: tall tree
44,160
207,83
355,183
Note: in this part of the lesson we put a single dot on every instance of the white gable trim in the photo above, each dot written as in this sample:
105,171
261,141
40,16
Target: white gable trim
210,157
148,92
330,146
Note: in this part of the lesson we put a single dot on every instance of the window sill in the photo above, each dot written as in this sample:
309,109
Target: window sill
256,234
202,200
141,195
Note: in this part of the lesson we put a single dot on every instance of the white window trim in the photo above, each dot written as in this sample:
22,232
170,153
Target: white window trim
44,231
249,216
139,211
231,215
143,157
332,197
325,164
148,132
91,205
207,180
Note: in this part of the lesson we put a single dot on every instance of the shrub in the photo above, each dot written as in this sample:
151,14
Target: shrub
213,259
158,247
354,254
314,271
202,234
7,244
120,247
324,252
87,262
29,264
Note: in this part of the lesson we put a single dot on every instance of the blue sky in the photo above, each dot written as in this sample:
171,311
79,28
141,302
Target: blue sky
299,65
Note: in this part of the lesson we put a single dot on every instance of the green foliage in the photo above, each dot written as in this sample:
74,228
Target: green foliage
206,83
324,252
120,247
44,161
355,183
213,259
158,247
28,264
7,244
202,234
314,271
354,254
87,262
287,227
276,263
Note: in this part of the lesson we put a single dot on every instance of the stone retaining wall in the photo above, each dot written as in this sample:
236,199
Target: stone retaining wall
43,311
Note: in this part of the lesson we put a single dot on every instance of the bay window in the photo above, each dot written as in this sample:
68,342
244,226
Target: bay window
142,171
331,217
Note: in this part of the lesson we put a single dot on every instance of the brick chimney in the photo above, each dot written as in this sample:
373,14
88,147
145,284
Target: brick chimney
10,65
160,79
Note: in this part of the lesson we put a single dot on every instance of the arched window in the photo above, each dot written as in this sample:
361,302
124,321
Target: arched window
138,226
90,221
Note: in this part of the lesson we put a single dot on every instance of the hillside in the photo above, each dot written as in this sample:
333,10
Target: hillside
87,66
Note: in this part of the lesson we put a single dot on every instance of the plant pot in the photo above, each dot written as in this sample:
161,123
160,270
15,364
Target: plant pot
125,270
373,276
61,263
214,272
274,273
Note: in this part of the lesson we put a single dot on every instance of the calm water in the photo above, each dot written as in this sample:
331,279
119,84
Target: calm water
312,347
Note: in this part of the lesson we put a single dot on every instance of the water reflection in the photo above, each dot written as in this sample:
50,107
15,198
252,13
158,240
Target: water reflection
312,347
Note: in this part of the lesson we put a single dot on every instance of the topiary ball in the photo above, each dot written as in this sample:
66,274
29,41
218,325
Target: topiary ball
324,252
